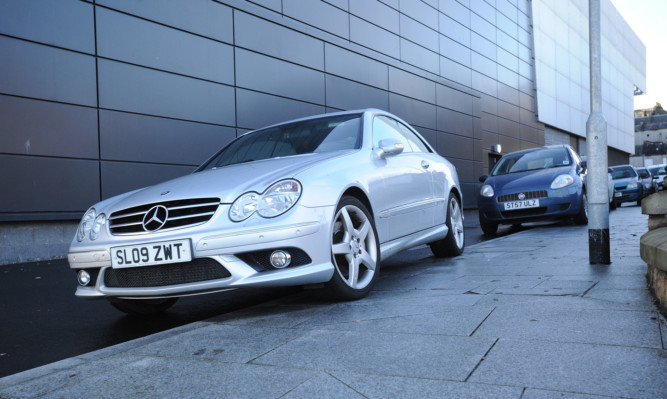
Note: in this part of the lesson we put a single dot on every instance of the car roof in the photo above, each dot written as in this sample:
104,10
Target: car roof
546,147
340,113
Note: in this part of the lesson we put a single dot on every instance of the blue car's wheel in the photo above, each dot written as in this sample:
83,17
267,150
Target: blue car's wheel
582,217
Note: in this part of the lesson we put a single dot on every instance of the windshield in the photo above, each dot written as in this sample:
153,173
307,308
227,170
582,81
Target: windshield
311,136
622,172
533,160
643,173
657,170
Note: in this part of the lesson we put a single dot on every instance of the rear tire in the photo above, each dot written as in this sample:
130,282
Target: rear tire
454,243
143,307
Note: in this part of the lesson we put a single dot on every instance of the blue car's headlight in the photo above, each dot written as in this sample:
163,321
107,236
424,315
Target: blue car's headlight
562,181
632,184
486,191
276,200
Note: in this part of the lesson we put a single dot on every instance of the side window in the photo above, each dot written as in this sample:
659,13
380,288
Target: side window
385,128
416,143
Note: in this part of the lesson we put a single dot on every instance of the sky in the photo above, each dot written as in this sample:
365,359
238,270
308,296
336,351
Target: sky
648,18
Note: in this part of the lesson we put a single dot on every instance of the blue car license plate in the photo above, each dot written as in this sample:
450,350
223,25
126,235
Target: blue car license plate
530,203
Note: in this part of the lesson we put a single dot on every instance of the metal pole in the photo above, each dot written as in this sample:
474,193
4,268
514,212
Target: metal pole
596,141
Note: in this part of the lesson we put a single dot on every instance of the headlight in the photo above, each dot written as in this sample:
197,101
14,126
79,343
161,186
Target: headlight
486,191
562,181
86,224
276,200
632,184
243,207
279,198
100,220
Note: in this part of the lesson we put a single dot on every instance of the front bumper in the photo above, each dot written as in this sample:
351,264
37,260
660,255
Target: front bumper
555,205
627,195
219,260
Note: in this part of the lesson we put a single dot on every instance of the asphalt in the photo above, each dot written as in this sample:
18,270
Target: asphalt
521,316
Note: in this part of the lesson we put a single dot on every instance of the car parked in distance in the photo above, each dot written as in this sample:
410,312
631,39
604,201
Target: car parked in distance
318,200
647,181
546,183
627,183
658,173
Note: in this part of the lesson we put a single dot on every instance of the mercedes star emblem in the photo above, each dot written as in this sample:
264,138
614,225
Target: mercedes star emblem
155,218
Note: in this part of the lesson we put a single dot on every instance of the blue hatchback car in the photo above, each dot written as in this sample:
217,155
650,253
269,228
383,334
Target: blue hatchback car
545,183
628,184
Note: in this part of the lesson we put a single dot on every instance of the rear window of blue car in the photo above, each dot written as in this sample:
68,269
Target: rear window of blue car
534,160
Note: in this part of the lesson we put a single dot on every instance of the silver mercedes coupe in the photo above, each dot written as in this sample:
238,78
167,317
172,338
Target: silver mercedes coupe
318,200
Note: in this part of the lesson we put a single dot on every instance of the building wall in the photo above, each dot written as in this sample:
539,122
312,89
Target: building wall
563,73
100,98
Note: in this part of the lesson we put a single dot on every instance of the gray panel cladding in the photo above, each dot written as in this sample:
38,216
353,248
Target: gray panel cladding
40,184
261,73
164,86
356,67
34,70
46,128
319,14
256,110
115,181
204,17
137,41
271,38
376,13
148,139
131,88
346,94
66,23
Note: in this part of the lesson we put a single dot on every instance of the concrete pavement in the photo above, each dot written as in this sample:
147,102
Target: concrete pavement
521,316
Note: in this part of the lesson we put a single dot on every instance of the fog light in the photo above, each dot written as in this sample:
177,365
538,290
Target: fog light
83,277
280,259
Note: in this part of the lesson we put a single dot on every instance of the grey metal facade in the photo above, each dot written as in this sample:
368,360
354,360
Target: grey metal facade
98,98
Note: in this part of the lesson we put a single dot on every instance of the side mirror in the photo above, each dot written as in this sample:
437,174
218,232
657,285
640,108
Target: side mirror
584,165
483,178
388,148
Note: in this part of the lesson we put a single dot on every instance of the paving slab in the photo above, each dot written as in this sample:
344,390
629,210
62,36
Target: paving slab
522,316
577,368
406,355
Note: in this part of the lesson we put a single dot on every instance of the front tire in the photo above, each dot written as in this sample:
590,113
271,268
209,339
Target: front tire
582,217
355,251
454,243
489,228
143,307
612,205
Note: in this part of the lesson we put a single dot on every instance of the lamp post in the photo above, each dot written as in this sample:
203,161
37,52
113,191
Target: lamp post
596,141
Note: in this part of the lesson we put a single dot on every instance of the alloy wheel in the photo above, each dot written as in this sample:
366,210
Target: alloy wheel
354,247
456,221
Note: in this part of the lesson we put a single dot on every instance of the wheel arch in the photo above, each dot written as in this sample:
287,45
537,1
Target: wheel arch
359,194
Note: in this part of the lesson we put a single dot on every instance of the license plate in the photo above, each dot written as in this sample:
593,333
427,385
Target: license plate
156,253
531,203
618,194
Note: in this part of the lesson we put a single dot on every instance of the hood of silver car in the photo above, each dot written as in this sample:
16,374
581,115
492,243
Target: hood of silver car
226,183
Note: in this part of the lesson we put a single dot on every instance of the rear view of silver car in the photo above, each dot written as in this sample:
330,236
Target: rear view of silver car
311,201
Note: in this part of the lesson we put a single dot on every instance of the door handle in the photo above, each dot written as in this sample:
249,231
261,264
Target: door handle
425,164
